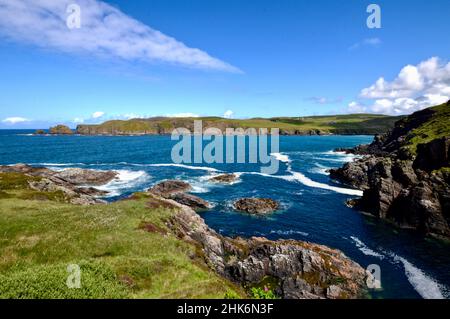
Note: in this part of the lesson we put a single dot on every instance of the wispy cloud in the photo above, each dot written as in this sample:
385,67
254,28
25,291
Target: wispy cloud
15,120
325,100
415,87
368,42
105,31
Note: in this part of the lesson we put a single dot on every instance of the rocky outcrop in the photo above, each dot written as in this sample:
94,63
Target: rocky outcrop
296,269
257,206
406,185
60,130
78,176
170,187
224,178
74,183
177,191
192,201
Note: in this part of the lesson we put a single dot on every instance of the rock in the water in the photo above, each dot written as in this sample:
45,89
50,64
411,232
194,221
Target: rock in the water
60,130
169,188
256,205
224,178
298,269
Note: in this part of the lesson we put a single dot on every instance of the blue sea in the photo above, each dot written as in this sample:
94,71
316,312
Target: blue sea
313,206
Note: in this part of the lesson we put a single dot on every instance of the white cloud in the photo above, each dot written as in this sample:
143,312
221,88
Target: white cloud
373,42
15,120
97,115
78,120
416,87
105,31
228,114
325,100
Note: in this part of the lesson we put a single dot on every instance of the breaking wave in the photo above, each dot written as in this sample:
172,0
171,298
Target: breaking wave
125,181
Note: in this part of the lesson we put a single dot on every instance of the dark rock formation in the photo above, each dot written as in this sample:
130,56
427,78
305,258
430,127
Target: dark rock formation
176,190
39,132
68,182
60,130
297,269
190,200
405,184
256,205
170,187
224,178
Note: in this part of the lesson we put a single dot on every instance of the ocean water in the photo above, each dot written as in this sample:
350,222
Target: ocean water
312,205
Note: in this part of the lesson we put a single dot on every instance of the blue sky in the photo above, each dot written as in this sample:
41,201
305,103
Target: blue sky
254,59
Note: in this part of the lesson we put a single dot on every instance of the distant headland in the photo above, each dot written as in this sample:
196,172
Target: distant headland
350,124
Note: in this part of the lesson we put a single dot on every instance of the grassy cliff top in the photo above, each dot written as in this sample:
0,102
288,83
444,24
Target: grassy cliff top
124,249
336,124
437,126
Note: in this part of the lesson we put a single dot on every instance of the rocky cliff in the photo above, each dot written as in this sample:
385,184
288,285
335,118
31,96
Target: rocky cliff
293,269
405,173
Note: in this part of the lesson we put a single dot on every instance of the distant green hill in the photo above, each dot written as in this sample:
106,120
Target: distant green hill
314,125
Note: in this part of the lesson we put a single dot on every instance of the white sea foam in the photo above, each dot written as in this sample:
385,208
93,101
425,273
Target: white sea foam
319,169
299,177
201,168
124,181
425,285
281,157
289,232
365,249
296,176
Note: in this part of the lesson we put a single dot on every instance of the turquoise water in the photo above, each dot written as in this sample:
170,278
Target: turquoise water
312,205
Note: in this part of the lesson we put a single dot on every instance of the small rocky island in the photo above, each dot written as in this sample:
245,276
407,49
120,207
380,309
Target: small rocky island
224,178
405,173
256,206
60,130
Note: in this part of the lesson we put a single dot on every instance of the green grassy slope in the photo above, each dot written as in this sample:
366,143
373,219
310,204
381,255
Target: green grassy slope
337,124
124,250
436,127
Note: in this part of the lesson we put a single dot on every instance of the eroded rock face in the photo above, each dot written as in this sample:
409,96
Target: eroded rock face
299,269
256,205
